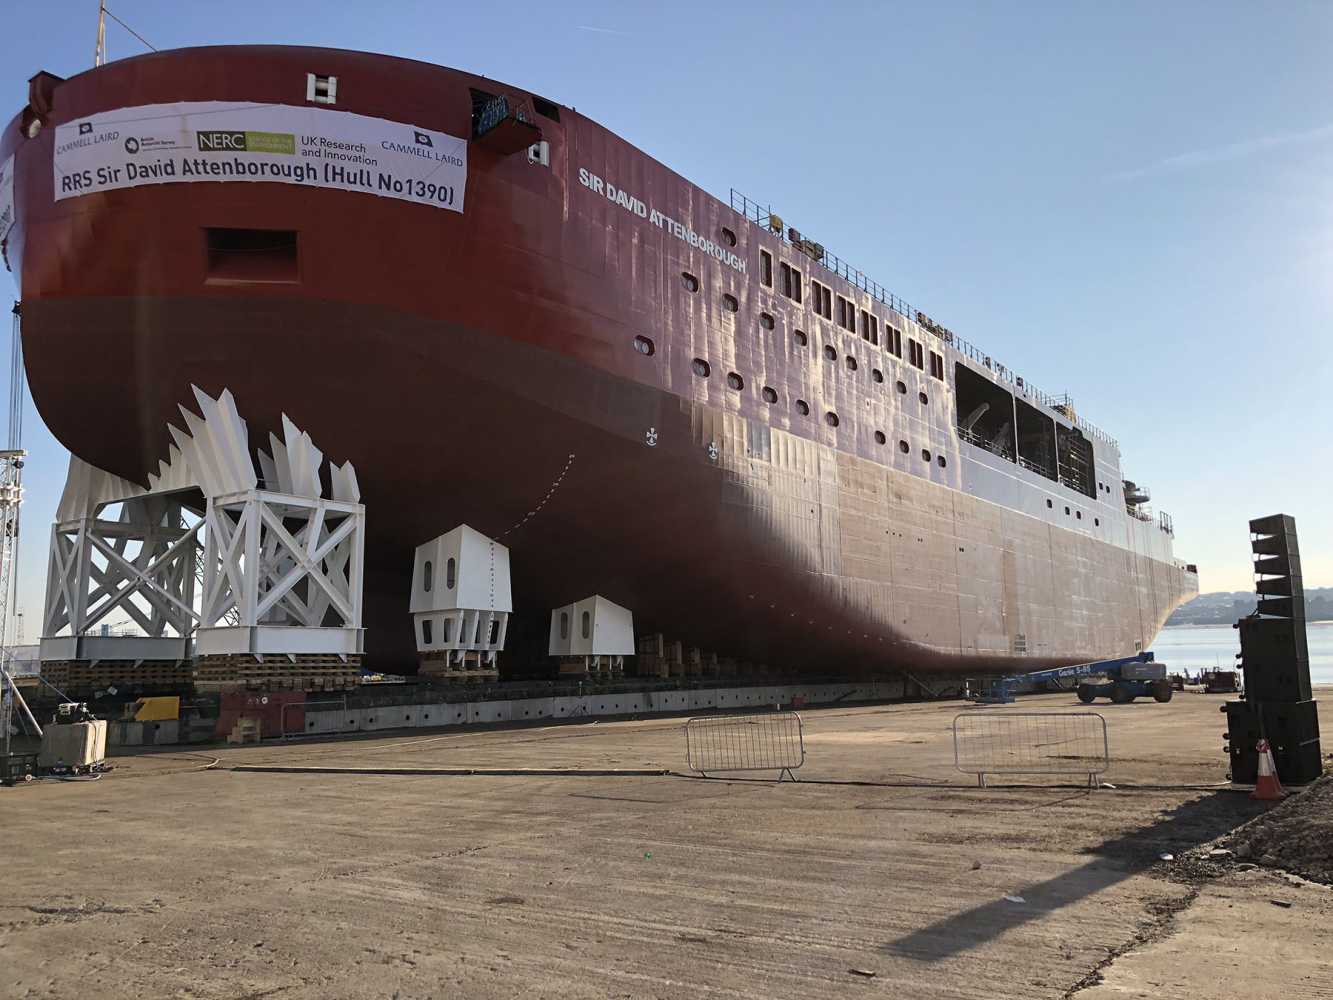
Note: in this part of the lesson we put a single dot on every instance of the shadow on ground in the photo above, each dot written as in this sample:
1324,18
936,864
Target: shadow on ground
1191,824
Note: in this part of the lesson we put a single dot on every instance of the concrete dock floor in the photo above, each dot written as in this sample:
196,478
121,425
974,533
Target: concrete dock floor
882,872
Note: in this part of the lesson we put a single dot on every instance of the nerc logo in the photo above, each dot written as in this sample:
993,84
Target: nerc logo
283,143
221,142
423,139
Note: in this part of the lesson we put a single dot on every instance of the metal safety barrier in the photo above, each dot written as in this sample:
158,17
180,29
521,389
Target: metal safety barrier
770,742
1001,742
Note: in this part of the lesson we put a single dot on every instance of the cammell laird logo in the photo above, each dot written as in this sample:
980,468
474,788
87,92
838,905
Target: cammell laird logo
247,142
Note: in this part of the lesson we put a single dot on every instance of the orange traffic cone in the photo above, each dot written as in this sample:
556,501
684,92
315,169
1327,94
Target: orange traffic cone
1267,788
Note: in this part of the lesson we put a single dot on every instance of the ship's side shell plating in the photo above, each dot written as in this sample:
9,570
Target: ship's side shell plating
569,348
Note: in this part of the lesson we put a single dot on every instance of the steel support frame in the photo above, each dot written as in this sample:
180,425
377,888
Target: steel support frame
281,559
80,594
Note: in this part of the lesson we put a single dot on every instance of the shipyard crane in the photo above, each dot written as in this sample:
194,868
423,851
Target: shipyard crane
11,496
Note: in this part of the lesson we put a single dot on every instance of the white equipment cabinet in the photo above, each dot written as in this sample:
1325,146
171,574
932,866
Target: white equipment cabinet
461,599
595,630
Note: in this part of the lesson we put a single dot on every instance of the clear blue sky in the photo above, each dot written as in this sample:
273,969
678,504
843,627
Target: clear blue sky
1129,202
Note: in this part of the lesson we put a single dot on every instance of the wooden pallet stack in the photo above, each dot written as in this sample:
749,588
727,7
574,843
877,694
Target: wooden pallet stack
652,661
303,672
246,730
81,678
449,669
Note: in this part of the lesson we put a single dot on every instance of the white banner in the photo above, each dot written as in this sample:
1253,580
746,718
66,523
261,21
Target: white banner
6,196
278,143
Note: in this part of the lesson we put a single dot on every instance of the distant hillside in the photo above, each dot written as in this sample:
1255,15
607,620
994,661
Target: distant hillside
1224,608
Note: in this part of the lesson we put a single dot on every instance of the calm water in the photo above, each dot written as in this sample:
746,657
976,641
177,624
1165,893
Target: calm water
1198,647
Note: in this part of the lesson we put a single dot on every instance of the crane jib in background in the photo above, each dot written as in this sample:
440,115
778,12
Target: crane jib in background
11,496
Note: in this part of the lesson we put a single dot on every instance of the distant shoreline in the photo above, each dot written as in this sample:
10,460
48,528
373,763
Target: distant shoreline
1321,621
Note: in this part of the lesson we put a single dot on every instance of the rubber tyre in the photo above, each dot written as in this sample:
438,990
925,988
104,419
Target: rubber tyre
1086,694
1122,694
1162,691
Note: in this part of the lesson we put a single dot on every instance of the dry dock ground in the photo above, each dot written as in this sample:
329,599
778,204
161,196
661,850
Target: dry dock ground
882,872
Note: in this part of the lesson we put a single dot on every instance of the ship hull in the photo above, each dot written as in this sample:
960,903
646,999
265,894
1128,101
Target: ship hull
479,367
779,551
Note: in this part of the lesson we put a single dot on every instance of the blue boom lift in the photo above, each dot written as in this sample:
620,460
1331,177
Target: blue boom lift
1128,678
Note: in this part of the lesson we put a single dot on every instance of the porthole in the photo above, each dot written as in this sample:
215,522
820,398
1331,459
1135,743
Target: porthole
831,418
1049,505
766,321
801,339
1078,514
690,281
902,388
644,346
701,368
1066,511
941,461
876,375
728,237
904,447
730,303
770,394
925,400
802,407
830,353
851,363
880,438
734,381
1096,522
925,454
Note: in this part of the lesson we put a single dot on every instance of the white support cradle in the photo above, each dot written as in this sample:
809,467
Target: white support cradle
282,565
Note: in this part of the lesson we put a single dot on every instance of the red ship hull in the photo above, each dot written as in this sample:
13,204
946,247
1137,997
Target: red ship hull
476,368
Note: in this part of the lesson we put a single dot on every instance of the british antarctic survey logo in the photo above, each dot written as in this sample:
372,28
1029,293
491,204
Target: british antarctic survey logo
85,128
424,139
131,145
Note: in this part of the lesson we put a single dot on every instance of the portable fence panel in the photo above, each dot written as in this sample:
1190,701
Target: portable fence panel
769,742
1003,742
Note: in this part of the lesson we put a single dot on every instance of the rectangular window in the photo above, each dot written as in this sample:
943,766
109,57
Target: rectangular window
846,314
823,300
765,268
796,284
447,630
425,632
895,341
916,353
870,327
936,366
784,272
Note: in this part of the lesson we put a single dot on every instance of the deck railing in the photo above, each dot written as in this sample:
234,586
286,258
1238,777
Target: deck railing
763,217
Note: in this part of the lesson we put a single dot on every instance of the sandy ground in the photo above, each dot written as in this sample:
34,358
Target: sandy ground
166,880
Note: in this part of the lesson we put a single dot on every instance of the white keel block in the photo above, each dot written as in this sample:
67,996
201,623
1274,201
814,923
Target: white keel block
461,596
599,630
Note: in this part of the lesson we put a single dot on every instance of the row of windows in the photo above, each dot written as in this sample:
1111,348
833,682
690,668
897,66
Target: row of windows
1078,514
735,381
821,298
703,369
791,279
